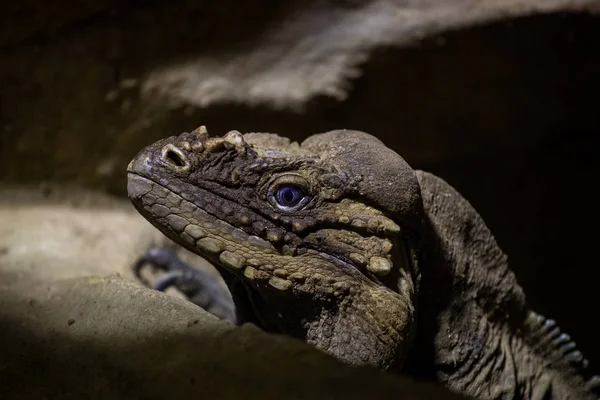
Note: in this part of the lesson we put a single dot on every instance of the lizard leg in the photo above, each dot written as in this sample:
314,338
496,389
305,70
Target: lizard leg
200,287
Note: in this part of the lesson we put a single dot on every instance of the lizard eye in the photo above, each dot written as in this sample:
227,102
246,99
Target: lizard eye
289,194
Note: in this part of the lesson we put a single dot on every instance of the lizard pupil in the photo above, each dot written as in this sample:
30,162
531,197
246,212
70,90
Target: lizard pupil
289,196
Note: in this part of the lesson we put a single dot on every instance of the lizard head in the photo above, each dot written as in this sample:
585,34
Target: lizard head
321,235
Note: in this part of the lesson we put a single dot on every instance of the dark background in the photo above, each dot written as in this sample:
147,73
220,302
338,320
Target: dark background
507,112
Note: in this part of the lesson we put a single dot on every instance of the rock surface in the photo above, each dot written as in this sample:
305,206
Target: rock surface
70,328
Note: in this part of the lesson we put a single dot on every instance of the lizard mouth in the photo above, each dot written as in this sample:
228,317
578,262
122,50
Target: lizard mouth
221,243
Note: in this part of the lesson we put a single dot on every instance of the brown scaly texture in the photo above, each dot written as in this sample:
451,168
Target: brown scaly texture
339,242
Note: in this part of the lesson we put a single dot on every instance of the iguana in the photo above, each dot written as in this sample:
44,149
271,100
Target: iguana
339,242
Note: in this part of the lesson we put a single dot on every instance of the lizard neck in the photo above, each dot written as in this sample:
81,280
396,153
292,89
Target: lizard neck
476,333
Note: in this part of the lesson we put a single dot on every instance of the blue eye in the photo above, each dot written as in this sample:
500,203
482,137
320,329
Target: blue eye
289,192
289,196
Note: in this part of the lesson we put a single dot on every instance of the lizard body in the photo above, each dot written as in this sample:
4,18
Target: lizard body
339,242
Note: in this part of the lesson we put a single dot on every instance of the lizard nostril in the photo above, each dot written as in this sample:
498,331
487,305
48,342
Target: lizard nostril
174,157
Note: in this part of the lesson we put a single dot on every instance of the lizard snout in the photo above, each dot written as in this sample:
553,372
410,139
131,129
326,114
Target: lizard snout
141,164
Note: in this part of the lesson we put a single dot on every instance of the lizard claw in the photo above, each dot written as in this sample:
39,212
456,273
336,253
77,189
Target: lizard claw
200,287
166,280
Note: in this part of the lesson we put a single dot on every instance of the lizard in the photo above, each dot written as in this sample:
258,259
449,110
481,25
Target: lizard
339,242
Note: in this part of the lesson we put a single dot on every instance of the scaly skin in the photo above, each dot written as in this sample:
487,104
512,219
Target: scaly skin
346,267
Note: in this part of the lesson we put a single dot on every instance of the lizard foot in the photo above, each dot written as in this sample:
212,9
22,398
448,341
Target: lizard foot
200,287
